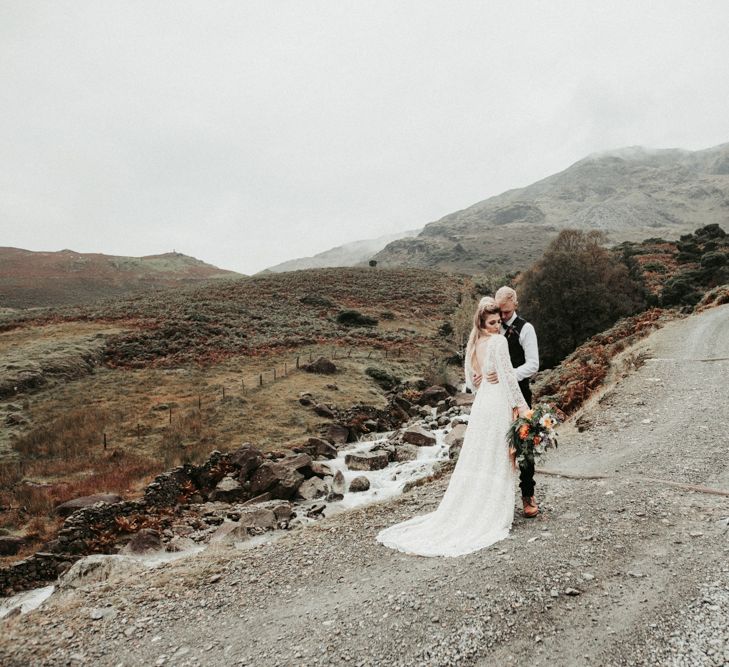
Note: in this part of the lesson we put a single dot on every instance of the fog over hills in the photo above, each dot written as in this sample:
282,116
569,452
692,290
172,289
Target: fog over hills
630,194
31,279
349,254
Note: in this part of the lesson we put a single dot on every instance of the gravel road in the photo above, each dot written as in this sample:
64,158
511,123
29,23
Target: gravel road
622,569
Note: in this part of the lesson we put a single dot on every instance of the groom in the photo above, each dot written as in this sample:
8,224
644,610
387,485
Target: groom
524,353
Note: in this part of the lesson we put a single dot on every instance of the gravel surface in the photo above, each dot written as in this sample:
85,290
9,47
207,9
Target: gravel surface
618,570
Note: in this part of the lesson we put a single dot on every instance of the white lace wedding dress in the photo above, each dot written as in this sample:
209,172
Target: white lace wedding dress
478,506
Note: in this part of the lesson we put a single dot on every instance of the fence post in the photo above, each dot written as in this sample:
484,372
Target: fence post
199,402
139,431
223,392
297,361
104,441
170,414
260,379
286,369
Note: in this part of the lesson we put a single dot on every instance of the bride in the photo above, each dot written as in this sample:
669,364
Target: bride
478,506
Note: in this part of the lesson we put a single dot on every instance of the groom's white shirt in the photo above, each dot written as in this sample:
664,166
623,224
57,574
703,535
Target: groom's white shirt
528,341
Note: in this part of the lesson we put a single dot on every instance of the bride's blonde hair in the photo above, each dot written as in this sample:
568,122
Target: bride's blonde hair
487,306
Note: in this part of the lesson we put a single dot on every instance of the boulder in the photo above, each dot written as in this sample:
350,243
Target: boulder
367,461
228,490
318,447
339,486
433,395
463,400
416,435
385,448
282,478
10,545
228,533
323,411
336,433
313,488
143,541
321,469
247,459
454,440
97,568
322,366
70,506
405,452
258,517
180,543
359,483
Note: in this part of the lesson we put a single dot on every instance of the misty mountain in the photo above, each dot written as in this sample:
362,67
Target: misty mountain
349,254
31,279
631,194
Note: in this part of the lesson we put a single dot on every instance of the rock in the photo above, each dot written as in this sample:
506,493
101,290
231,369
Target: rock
334,497
385,448
321,366
70,506
306,401
454,440
14,419
318,447
280,479
261,498
360,483
180,543
336,433
97,568
463,400
247,458
258,517
339,486
147,539
321,469
315,511
323,411
228,490
367,461
572,591
433,395
313,488
10,545
405,452
98,613
332,386
416,435
228,533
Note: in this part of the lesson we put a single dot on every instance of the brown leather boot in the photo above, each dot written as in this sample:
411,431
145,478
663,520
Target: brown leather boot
531,509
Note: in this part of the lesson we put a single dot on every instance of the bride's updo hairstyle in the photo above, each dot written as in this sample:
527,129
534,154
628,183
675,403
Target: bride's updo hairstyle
487,306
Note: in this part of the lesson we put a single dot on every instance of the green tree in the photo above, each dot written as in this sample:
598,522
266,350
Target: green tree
577,289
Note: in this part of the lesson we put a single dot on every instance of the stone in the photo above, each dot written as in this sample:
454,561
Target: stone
405,452
258,517
313,488
228,533
10,545
433,395
322,366
321,469
144,540
417,435
359,483
454,440
323,411
367,461
92,570
337,434
14,419
282,478
339,486
320,447
228,490
247,458
180,543
70,506
463,400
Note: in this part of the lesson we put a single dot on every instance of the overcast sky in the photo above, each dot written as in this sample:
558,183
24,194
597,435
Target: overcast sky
248,133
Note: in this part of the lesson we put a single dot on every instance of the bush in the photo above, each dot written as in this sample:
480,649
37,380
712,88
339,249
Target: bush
353,318
387,315
445,329
656,267
679,291
382,377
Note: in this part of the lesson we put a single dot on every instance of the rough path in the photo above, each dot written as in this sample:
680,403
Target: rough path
615,571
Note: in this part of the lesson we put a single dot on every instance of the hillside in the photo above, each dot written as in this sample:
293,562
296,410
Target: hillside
349,254
631,194
31,279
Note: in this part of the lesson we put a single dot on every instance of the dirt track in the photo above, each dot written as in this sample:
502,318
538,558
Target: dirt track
618,570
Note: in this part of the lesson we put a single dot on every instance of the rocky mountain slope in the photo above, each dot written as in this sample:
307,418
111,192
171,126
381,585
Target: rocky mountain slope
349,254
630,194
31,279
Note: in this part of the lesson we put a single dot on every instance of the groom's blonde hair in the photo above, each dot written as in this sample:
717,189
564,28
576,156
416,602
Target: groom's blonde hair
504,294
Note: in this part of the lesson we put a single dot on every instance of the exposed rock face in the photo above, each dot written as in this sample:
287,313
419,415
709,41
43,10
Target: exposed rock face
405,452
147,539
70,506
247,458
320,448
337,434
417,435
323,411
360,483
367,461
433,395
280,479
228,490
97,568
321,469
454,440
322,365
313,488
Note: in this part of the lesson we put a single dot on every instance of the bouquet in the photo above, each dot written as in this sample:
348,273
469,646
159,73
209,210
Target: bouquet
532,434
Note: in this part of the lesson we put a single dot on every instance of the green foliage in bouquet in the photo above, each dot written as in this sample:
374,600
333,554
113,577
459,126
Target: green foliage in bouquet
532,434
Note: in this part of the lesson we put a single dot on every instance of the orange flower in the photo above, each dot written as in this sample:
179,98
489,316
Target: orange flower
528,414
537,440
524,431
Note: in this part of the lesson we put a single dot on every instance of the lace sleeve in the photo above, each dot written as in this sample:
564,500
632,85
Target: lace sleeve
505,371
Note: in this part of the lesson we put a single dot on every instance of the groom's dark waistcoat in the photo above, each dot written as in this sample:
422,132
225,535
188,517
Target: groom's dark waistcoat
516,351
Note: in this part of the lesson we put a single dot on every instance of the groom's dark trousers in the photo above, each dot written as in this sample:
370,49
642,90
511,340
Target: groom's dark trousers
516,353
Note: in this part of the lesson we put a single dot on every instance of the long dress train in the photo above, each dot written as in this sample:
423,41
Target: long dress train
478,506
